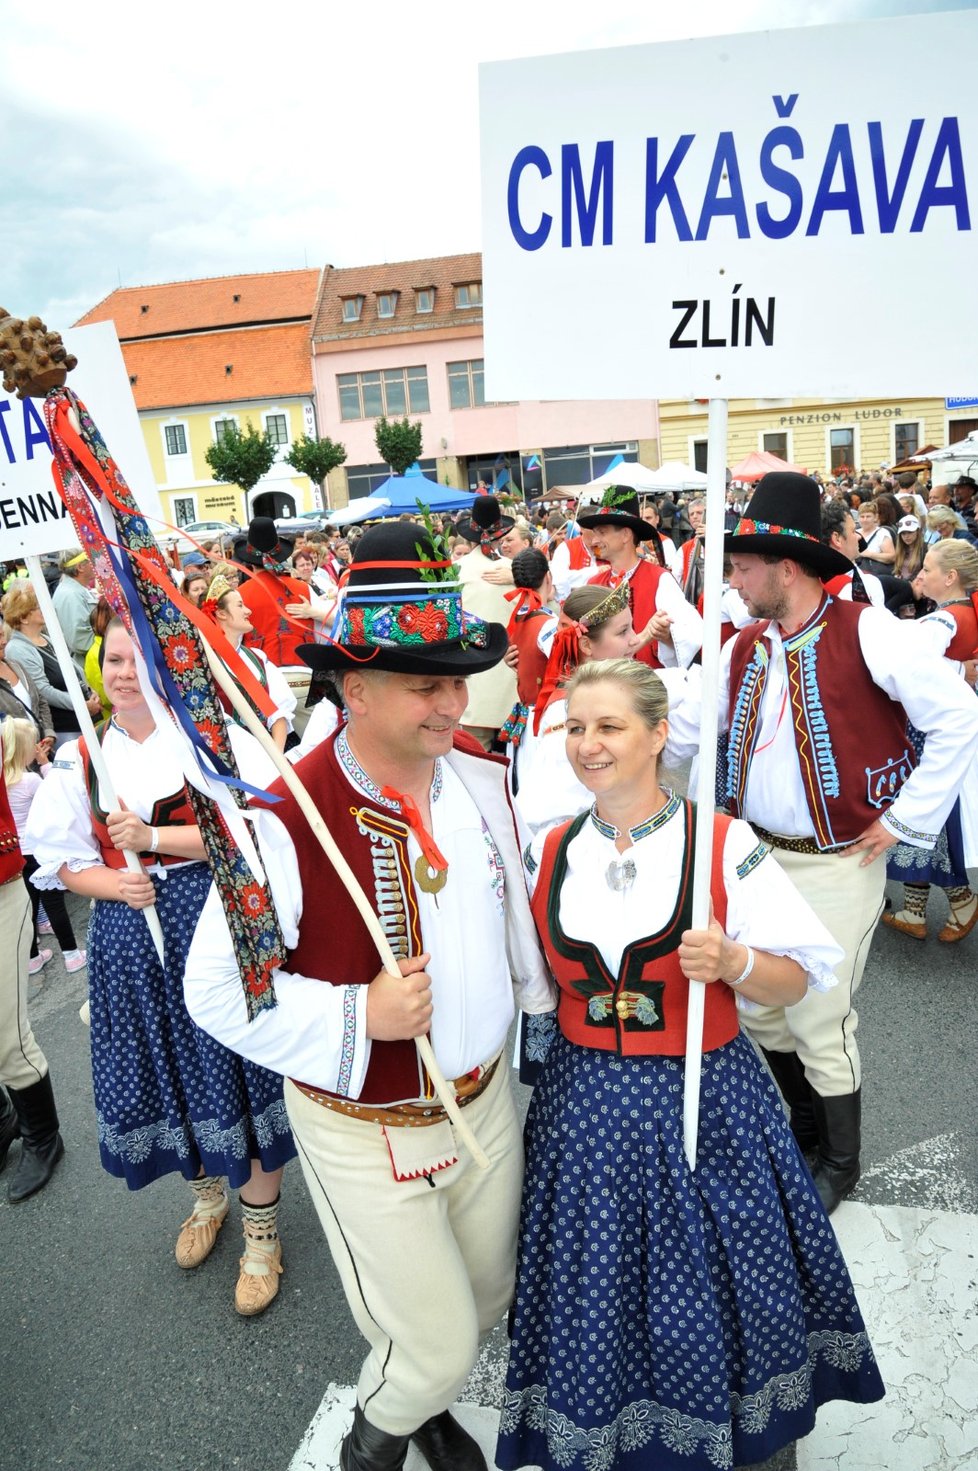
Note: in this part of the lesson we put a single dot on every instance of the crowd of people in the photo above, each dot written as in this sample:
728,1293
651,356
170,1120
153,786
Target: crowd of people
495,704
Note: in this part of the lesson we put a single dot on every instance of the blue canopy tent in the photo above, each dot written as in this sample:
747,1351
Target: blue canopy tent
402,492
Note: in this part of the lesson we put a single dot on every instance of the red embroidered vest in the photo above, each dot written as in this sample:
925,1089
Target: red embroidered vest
640,1012
965,642
578,554
11,862
334,944
532,664
851,738
172,811
642,587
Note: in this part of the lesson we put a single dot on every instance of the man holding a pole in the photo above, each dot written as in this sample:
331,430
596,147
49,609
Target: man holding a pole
423,1238
816,698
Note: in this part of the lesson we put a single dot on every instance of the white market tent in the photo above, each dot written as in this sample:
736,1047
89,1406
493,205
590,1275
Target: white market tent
672,476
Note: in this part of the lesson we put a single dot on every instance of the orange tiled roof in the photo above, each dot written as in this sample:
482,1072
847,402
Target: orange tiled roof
265,362
443,272
219,301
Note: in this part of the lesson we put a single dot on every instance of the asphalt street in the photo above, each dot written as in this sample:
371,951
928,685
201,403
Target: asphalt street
114,1359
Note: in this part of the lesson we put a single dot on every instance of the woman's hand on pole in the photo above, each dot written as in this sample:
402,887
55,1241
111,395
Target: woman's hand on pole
129,831
707,955
136,889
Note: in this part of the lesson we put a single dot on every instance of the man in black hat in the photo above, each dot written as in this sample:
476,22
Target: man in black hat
654,595
816,698
270,591
424,1241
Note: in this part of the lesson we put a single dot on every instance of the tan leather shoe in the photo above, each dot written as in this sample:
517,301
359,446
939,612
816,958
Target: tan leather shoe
953,931
901,921
199,1232
261,1267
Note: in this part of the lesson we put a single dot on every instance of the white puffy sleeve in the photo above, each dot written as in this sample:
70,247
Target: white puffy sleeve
278,691
59,825
766,911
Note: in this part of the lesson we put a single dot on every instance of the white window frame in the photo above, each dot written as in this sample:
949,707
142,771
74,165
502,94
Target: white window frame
921,425
223,419
691,441
390,296
857,452
429,291
187,496
356,302
281,450
789,435
470,364
177,469
468,306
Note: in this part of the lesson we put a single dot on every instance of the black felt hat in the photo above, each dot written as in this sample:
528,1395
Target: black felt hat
484,520
262,540
400,610
785,517
618,507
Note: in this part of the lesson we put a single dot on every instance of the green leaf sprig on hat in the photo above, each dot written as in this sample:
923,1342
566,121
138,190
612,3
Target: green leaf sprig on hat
441,549
615,496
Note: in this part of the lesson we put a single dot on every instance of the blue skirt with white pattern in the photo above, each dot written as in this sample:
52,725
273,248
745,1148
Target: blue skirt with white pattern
686,1322
169,1098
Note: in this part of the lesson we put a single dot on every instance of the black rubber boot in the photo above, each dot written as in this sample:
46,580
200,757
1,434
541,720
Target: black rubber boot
41,1144
447,1447
837,1170
797,1092
9,1127
365,1448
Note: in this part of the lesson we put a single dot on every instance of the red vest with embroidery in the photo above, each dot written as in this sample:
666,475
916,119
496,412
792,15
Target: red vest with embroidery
173,811
532,664
641,1011
334,944
11,861
851,738
578,554
965,641
266,596
642,586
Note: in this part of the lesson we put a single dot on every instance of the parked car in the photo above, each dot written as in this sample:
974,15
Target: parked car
305,521
205,531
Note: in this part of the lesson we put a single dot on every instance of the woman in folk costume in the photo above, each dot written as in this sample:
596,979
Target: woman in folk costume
949,577
270,591
168,1098
654,595
530,631
686,1320
226,606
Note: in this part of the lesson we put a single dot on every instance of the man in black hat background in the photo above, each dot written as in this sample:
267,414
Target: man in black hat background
424,1241
815,698
653,592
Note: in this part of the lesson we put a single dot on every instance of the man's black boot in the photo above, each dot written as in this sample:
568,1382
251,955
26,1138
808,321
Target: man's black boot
797,1092
837,1170
447,1447
365,1448
41,1145
9,1126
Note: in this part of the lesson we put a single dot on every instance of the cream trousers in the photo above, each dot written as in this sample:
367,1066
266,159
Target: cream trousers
821,1028
426,1267
21,1060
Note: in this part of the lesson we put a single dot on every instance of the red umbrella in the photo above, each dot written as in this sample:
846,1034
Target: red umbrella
758,463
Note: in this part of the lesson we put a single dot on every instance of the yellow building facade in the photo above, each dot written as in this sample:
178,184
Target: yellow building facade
833,437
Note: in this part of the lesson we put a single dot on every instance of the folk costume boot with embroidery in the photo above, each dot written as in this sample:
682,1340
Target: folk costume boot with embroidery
365,1448
261,1265
963,917
796,1090
447,1447
41,1145
199,1231
837,1171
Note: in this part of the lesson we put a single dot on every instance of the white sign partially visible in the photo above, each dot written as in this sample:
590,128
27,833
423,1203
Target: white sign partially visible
32,515
774,215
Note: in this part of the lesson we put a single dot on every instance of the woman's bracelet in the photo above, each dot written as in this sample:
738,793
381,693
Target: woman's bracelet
154,846
746,970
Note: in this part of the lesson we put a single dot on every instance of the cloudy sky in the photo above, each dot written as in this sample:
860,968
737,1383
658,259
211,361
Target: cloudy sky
157,143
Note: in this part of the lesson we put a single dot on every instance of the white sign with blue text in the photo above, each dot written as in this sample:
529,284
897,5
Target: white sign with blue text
33,519
780,214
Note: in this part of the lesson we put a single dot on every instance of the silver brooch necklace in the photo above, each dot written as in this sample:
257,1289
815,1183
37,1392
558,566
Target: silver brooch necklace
621,874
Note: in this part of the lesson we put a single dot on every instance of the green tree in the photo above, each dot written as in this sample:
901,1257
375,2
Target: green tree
398,442
241,459
315,458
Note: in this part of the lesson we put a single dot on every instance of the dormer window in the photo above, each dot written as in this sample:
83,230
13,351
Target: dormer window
468,295
386,303
352,307
424,299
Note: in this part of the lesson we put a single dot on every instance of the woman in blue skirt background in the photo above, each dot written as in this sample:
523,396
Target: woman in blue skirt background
168,1098
665,1317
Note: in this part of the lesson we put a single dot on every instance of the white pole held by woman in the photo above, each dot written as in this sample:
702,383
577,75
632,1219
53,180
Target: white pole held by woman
107,795
716,488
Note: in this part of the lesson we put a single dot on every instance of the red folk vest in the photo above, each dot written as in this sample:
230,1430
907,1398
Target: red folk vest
578,554
532,665
642,586
11,862
266,595
167,811
851,738
965,642
640,1012
334,944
